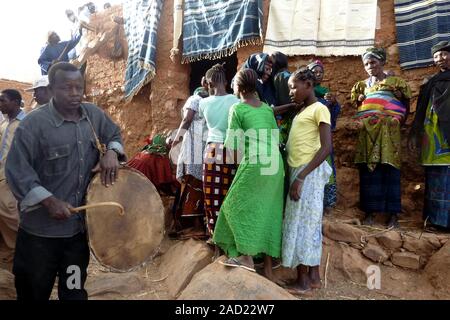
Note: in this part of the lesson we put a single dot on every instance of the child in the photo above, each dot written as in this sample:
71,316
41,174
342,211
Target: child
329,99
250,220
308,146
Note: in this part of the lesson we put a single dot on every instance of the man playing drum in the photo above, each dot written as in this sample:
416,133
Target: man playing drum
50,165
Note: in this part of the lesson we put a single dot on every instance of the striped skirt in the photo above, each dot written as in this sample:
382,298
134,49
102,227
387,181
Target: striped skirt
217,179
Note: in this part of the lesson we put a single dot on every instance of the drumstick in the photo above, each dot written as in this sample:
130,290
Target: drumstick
100,204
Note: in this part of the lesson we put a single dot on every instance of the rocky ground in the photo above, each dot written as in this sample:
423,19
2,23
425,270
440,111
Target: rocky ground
413,264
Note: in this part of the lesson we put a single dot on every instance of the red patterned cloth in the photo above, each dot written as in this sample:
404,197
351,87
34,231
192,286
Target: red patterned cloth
154,166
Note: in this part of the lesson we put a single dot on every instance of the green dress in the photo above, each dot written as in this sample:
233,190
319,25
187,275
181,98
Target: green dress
250,219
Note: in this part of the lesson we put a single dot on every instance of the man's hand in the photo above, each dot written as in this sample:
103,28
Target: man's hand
57,209
108,168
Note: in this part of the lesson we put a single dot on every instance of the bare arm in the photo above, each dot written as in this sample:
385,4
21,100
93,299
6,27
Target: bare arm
184,125
284,108
321,155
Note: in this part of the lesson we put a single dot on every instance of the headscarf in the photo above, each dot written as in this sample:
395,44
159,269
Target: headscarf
257,61
200,91
315,63
377,53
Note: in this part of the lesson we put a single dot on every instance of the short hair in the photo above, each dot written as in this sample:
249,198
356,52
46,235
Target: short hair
246,80
303,74
60,66
13,95
217,74
280,61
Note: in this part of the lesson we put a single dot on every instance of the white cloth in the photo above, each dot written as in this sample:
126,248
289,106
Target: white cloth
190,160
302,225
321,27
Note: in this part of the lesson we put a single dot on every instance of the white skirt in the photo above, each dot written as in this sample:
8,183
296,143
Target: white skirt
302,225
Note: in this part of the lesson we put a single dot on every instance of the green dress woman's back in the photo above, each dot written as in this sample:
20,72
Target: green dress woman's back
250,220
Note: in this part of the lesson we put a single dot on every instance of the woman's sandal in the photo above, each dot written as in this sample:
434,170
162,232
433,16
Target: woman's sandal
235,263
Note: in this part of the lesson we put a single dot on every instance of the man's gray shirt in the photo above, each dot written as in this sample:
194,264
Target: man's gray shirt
52,156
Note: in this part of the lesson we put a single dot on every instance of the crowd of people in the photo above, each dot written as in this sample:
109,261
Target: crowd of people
276,218
256,167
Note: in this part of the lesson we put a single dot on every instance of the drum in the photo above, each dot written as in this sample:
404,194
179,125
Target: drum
175,153
124,243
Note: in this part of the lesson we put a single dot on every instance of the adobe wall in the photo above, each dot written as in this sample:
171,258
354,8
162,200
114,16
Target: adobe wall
157,106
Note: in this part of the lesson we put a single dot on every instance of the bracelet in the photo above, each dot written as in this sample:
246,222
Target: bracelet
298,179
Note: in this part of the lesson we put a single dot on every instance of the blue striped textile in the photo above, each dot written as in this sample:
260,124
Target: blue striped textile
420,25
213,29
141,26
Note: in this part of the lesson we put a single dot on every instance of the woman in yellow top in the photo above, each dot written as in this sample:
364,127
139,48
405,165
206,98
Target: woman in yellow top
308,146
383,105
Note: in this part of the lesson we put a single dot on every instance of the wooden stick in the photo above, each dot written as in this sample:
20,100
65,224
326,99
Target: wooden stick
326,270
363,238
100,204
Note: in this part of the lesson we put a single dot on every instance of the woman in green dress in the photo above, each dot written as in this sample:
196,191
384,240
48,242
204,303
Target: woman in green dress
250,220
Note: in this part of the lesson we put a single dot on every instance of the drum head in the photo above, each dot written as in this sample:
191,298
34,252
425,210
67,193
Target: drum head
175,153
124,243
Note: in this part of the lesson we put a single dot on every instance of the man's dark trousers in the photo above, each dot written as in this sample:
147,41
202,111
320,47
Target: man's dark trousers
38,261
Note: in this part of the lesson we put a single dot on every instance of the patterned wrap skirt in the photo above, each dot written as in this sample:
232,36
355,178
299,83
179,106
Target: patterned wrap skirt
380,189
217,179
302,225
437,195
190,203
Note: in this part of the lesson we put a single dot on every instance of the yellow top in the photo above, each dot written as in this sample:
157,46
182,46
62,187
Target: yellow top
304,138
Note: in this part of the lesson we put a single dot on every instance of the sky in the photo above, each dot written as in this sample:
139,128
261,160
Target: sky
24,25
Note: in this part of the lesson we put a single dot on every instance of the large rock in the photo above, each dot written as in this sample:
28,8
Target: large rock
375,253
182,261
113,285
406,260
342,232
217,282
437,269
346,261
422,247
433,240
390,240
7,288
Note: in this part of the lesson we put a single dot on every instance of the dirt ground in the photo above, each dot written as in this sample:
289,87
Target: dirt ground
149,282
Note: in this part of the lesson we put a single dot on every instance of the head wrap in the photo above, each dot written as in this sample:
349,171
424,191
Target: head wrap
200,91
441,46
316,63
377,53
257,61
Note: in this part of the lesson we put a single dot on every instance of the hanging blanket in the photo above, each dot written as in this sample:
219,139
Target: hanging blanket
213,29
141,26
321,27
420,25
